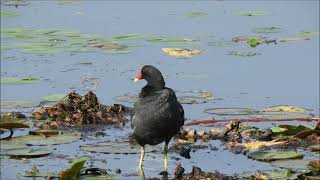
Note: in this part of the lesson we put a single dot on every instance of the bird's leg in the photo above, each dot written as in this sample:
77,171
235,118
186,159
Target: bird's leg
141,157
165,152
140,163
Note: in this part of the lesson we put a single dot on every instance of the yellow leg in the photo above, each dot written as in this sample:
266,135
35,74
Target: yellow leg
140,163
141,157
165,152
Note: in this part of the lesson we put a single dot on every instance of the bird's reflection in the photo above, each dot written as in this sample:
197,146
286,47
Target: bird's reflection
143,177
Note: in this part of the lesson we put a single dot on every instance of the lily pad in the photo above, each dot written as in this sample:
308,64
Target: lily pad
26,80
273,174
53,97
181,53
184,97
35,172
27,152
11,104
288,130
42,140
9,122
242,53
127,98
309,33
9,14
124,147
278,115
254,13
7,144
284,108
231,111
128,36
221,43
294,164
171,40
272,156
268,30
258,144
198,14
297,39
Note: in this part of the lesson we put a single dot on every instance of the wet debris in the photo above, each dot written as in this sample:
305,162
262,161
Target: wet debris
76,110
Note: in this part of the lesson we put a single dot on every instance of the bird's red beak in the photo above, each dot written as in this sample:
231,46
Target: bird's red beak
138,77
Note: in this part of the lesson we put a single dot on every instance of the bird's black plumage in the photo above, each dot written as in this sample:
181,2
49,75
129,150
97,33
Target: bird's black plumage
157,115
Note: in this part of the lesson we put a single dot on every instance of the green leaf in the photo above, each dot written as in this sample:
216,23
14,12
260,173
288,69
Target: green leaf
34,172
73,172
309,33
272,156
231,111
53,97
242,53
27,152
284,108
128,36
9,14
254,13
42,140
198,14
17,104
268,30
26,80
7,144
253,42
288,130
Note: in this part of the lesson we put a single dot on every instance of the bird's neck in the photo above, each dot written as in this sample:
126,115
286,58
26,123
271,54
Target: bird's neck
150,88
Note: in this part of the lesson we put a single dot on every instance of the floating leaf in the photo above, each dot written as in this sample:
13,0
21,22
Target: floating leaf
198,14
53,97
34,172
293,164
27,80
242,53
231,111
27,152
247,38
292,39
254,13
272,174
9,122
73,172
267,30
128,36
127,98
184,97
284,108
278,115
124,147
221,43
42,140
194,96
99,177
7,144
9,14
170,40
181,53
11,104
309,33
288,130
272,156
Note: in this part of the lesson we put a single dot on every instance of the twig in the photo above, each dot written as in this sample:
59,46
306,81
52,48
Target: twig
197,122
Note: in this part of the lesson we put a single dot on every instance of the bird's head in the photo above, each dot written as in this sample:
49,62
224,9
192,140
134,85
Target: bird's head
152,75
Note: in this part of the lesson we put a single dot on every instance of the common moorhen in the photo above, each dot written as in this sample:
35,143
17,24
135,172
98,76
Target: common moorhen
157,115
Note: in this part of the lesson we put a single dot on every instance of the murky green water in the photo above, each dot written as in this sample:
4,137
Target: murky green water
282,73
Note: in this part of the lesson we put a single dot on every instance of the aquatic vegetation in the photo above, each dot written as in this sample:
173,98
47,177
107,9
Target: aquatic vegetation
271,29
243,53
198,14
254,13
181,53
26,80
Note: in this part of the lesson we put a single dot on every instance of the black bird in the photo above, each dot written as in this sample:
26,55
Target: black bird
157,115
